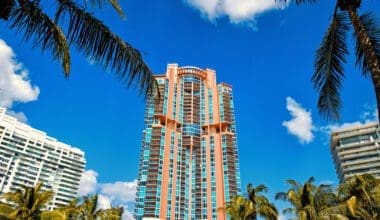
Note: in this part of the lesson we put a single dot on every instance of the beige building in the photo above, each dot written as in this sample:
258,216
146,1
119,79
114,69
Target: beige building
189,162
29,156
355,150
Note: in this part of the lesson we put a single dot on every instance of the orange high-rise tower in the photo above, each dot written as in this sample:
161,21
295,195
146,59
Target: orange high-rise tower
189,162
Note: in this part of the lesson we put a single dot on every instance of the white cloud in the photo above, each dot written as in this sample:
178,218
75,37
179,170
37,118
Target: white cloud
368,115
238,11
109,194
301,124
331,127
88,183
20,116
127,215
104,202
120,191
281,217
15,85
14,82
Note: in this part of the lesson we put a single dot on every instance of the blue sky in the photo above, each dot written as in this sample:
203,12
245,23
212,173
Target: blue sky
265,51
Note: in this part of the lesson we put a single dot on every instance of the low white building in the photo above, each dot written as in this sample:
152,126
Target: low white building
29,156
355,150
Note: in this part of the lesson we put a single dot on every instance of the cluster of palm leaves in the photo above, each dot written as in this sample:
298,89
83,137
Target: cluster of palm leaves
241,208
71,24
331,55
30,204
358,198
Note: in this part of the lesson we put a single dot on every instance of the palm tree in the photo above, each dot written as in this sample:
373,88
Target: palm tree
69,212
331,55
240,208
73,25
25,204
5,210
307,200
364,193
261,205
90,211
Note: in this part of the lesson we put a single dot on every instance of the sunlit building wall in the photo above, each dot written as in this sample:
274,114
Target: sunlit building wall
355,150
189,162
28,156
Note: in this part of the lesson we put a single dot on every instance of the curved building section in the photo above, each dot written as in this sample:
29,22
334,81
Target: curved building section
189,162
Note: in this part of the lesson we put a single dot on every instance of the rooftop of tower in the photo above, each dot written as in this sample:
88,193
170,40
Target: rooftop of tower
203,73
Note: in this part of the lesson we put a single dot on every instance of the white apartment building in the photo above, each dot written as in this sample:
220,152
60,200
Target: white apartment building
29,156
355,150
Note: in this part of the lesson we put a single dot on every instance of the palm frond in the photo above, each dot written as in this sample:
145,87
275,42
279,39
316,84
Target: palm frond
287,211
329,61
6,8
281,196
325,197
53,215
45,33
311,180
293,183
103,47
42,198
372,29
351,205
5,209
114,3
261,188
268,211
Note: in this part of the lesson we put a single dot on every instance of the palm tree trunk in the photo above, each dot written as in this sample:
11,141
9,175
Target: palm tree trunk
369,53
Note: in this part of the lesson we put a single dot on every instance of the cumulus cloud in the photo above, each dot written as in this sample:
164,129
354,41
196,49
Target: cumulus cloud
238,11
127,215
15,85
120,191
281,217
301,124
368,115
14,82
104,202
109,194
88,183
20,116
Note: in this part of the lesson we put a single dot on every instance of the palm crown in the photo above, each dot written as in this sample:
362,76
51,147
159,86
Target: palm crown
241,208
73,25
26,203
331,55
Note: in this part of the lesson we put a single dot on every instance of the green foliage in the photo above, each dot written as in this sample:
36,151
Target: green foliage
73,25
30,204
331,55
329,71
254,205
373,31
26,203
357,198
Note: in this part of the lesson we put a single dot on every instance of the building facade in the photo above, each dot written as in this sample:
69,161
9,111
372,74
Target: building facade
189,162
28,156
355,150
